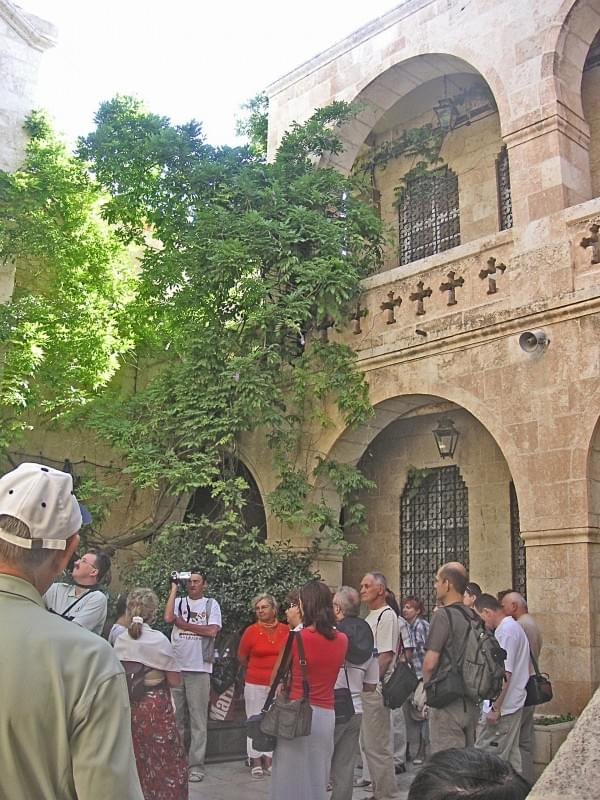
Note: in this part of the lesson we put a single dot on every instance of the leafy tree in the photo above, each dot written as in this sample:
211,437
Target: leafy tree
65,330
237,570
243,267
255,125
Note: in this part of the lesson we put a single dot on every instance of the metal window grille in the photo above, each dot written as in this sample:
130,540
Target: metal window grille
429,215
434,529
505,215
519,563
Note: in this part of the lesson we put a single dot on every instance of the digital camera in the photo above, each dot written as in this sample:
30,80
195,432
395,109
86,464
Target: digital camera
180,576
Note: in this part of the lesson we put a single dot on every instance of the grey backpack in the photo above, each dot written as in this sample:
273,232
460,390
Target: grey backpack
480,657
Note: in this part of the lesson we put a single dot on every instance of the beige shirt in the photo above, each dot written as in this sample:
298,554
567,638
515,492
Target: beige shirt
533,633
65,728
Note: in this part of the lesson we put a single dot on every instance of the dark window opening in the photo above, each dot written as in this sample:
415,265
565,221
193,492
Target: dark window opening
253,513
505,214
434,529
429,215
517,546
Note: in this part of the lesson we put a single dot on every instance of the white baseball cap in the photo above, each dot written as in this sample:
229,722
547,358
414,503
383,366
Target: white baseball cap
42,498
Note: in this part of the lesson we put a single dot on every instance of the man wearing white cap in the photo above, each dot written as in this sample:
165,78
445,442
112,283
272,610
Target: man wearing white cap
65,721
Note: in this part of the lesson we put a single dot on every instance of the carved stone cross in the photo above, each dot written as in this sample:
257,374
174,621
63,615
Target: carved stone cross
492,269
593,242
419,296
450,286
356,317
389,306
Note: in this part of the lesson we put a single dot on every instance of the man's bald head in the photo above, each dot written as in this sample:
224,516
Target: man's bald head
456,574
514,605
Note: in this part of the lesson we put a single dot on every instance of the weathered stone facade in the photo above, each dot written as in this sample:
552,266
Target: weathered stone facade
23,39
526,418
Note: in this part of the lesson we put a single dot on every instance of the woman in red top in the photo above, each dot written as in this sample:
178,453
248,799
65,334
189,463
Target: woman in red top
301,766
257,652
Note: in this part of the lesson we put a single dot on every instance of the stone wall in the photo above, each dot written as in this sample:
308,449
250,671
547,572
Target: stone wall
23,38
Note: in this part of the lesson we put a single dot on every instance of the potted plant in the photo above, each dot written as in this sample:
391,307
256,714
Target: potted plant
551,730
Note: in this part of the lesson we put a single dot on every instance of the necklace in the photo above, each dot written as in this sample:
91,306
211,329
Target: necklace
269,630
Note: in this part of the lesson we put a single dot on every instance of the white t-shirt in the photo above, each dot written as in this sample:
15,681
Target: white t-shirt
512,638
368,672
384,624
187,645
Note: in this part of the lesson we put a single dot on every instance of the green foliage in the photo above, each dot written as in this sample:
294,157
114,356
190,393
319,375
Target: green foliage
255,125
63,333
238,566
240,263
554,719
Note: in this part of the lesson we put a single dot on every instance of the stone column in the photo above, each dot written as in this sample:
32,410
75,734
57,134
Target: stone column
563,578
549,165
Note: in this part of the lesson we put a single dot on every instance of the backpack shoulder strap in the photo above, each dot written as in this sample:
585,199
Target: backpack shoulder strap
209,602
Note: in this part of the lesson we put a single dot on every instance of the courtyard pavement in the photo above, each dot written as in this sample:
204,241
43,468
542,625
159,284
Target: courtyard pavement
231,781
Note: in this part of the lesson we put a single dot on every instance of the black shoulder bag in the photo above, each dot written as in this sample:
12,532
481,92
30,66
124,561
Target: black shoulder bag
401,683
260,740
538,687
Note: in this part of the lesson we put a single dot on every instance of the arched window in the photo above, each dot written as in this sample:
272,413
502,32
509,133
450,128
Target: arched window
434,529
429,215
505,215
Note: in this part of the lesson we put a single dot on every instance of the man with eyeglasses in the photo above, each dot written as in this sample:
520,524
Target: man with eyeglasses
82,602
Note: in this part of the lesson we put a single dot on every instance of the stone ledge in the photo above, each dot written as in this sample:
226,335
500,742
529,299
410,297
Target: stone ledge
575,770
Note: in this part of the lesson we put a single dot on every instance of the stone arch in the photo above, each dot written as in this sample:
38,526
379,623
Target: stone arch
566,47
398,441
379,92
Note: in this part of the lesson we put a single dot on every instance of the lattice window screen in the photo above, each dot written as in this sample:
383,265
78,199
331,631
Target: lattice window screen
429,215
434,529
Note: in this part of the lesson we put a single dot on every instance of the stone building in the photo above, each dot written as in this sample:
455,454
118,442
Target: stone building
499,239
23,39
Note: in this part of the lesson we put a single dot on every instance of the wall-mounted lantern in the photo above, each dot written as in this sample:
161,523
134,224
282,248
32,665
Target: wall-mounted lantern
446,437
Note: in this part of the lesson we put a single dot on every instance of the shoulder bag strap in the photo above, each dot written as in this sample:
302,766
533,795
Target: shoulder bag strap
534,662
302,659
78,600
280,672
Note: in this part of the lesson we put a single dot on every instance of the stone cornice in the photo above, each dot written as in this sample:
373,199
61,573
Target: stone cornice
520,320
382,23
569,125
561,536
23,25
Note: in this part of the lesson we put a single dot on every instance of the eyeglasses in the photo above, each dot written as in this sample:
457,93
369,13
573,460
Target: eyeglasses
83,560
292,605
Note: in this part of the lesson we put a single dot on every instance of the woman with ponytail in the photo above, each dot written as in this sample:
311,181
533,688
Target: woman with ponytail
159,757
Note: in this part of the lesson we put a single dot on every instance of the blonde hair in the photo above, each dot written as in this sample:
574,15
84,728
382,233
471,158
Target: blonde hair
265,596
140,603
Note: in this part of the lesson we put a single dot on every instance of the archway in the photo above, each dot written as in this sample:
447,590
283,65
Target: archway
464,512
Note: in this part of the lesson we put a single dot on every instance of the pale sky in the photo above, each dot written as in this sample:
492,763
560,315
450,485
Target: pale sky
185,58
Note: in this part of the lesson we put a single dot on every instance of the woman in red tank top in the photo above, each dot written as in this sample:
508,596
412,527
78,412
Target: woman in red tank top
301,766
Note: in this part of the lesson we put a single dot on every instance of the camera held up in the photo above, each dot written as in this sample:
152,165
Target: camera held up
180,577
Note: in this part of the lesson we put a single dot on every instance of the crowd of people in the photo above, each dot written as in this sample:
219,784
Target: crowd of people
129,719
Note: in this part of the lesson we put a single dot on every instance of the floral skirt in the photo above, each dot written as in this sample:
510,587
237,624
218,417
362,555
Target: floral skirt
159,757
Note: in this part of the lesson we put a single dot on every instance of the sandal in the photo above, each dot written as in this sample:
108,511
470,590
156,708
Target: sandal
257,772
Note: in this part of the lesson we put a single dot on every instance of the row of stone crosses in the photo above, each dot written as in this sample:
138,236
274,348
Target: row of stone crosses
450,286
